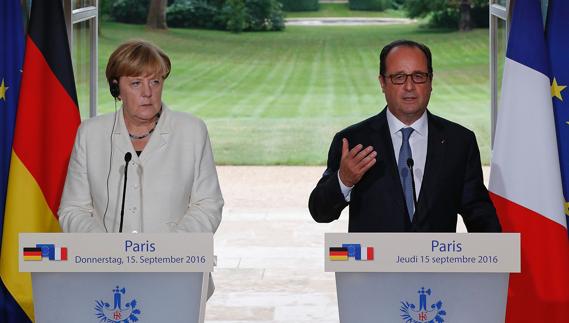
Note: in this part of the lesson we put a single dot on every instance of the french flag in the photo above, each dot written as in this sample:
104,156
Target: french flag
525,180
60,253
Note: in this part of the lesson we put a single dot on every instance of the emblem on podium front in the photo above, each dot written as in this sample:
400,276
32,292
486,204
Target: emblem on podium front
423,313
117,312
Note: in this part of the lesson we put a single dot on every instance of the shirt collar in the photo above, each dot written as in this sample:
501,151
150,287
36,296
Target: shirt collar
419,126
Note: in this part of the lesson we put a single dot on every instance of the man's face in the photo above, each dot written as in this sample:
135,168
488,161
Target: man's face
409,100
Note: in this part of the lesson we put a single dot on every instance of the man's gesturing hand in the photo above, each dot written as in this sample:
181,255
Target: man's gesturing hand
355,163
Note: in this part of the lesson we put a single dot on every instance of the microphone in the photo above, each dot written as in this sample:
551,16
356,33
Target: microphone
410,164
127,158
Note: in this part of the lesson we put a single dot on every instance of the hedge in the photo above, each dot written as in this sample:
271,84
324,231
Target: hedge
194,14
370,5
233,15
129,11
300,5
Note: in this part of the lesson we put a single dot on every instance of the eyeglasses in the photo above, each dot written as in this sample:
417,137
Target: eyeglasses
401,78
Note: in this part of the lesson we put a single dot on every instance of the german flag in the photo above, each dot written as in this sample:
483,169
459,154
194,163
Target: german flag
46,123
33,254
338,254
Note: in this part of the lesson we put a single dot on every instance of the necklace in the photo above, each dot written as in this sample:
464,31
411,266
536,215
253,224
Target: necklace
138,137
135,137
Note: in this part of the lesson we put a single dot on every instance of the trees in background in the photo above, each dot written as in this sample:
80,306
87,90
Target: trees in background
233,15
267,15
156,18
461,14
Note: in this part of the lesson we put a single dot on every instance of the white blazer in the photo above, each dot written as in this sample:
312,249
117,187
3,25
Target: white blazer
172,186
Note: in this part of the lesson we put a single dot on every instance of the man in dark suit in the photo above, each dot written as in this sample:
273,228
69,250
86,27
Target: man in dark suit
405,169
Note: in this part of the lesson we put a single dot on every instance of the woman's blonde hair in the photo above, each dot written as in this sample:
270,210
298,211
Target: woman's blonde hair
137,57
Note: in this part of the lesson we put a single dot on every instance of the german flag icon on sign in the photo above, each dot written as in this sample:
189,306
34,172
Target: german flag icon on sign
47,251
339,253
32,254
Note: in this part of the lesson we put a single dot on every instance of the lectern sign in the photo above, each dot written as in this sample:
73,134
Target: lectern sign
114,252
422,252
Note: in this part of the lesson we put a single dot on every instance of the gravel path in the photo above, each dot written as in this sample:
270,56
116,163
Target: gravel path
348,21
267,188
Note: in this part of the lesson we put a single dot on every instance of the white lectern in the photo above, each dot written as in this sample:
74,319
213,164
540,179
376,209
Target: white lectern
422,277
118,277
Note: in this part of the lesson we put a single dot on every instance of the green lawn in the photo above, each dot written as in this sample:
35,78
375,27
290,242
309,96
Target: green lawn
342,10
278,98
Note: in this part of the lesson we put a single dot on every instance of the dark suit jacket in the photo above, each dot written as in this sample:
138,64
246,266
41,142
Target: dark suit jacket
452,183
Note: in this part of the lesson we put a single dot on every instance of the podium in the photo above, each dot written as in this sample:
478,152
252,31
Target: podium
118,277
422,277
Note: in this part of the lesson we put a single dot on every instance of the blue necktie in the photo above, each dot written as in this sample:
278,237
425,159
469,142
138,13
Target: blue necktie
404,174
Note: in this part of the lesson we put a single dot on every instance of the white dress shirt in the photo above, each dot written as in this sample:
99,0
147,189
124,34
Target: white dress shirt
418,142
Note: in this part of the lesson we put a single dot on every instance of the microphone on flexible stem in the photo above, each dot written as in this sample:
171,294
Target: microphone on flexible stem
127,158
410,164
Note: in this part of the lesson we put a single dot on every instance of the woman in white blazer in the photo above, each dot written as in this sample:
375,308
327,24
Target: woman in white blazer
172,181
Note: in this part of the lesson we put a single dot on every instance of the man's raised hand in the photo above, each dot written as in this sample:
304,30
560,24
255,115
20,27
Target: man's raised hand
355,162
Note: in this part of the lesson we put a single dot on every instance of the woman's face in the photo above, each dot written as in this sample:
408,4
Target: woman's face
141,96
